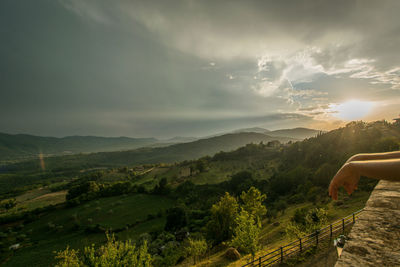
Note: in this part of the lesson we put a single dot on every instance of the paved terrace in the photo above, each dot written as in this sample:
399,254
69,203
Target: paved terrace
375,237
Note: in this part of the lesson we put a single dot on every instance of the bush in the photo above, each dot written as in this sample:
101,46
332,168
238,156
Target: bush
195,248
151,217
87,189
113,253
176,219
306,221
8,203
51,226
95,229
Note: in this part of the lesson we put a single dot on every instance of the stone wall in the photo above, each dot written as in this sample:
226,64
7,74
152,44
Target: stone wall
375,237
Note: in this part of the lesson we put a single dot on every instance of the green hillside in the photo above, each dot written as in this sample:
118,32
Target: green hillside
172,153
79,226
297,133
23,146
163,202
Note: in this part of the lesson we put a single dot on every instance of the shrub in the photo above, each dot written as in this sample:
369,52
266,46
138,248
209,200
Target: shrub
305,222
95,229
51,225
195,248
176,219
8,203
113,253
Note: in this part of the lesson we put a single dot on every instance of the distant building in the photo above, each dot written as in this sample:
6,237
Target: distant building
139,168
184,172
397,121
15,246
274,143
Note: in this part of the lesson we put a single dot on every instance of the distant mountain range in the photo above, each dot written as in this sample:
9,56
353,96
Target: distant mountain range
179,139
145,155
297,133
252,130
22,146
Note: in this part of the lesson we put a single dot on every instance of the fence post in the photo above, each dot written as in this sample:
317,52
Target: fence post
354,218
331,229
281,254
301,247
343,225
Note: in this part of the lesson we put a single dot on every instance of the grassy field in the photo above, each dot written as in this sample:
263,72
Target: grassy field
215,173
54,230
36,198
39,198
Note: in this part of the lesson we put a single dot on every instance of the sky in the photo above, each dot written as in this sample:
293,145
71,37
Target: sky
195,68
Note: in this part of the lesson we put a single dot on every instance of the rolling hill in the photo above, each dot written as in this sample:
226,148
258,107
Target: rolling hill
22,146
297,133
294,177
252,130
145,155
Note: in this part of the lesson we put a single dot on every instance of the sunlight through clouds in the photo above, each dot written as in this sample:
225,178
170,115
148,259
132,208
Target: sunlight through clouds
352,109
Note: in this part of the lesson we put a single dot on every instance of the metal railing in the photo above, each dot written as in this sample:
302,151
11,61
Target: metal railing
301,244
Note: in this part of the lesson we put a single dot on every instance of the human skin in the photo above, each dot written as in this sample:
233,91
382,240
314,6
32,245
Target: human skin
384,166
375,156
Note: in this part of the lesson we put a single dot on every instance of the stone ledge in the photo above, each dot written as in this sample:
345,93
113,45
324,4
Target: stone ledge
375,237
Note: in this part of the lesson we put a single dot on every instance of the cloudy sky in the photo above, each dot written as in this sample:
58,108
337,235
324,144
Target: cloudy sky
194,68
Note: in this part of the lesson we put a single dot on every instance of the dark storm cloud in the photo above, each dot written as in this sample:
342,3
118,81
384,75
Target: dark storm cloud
190,25
162,68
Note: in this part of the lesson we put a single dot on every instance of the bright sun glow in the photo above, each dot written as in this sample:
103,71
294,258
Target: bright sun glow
351,110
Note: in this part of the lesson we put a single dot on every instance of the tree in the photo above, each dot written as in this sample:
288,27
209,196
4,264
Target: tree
162,187
68,258
323,175
8,203
246,233
281,206
315,219
90,189
170,255
223,214
176,219
252,203
113,253
305,222
294,230
201,165
195,248
241,181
